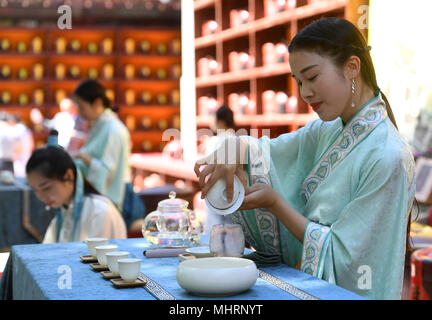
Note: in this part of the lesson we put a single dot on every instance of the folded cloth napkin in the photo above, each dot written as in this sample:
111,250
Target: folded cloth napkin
263,259
164,252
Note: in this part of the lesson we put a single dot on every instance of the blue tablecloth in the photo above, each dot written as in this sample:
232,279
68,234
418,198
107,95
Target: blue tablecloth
36,271
12,231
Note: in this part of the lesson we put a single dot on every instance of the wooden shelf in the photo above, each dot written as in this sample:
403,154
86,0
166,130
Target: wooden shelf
85,60
158,162
278,19
201,4
254,73
260,120
250,38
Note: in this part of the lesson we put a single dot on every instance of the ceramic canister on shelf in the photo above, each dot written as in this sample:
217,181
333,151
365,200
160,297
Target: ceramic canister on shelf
22,74
21,47
161,98
176,46
60,94
161,48
37,45
23,99
60,71
281,99
75,45
74,72
38,71
107,46
280,5
175,97
146,123
130,97
146,146
233,61
161,74
92,47
145,72
146,97
61,45
93,73
268,102
292,105
176,71
5,72
129,71
290,4
6,97
176,121
233,102
162,124
214,67
110,94
203,67
281,53
38,97
129,46
238,17
145,46
5,45
202,106
268,53
108,71
209,27
243,103
130,122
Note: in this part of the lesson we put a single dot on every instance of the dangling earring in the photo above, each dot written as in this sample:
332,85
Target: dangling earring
353,91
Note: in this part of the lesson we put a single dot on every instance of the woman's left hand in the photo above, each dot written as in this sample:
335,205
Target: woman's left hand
259,195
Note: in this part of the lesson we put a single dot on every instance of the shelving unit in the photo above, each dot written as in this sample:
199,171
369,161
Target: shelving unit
85,60
250,37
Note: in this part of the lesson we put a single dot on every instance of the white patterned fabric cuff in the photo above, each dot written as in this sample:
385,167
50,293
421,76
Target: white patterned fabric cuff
315,243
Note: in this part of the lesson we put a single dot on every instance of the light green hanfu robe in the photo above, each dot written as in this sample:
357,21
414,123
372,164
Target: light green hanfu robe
108,143
355,183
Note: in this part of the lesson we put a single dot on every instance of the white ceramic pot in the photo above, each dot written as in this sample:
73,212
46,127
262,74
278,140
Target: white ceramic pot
217,276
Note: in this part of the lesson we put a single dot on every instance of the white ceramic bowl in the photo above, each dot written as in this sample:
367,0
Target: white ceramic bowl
92,243
102,250
113,257
217,276
129,269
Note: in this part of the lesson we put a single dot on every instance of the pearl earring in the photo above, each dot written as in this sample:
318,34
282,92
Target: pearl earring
353,91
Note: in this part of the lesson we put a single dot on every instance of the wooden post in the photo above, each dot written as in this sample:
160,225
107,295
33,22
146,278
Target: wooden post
357,11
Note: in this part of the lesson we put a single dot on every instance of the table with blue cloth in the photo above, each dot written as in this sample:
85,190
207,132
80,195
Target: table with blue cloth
23,218
38,271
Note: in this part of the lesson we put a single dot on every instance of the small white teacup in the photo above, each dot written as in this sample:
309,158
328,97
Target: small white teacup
102,250
129,269
112,257
92,243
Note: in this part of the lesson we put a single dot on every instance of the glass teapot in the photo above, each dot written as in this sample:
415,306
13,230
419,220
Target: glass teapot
172,224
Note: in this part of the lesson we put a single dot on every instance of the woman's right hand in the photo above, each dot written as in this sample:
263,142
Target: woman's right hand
215,169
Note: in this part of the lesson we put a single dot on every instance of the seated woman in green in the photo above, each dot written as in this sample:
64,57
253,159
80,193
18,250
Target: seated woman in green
334,197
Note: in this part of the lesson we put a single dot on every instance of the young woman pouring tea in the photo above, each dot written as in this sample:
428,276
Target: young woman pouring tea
334,197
